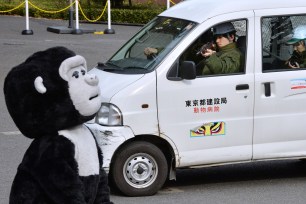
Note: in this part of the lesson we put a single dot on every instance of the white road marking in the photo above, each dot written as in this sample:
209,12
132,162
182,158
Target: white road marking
11,133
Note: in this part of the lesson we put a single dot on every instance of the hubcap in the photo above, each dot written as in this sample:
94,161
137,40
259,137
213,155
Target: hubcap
140,170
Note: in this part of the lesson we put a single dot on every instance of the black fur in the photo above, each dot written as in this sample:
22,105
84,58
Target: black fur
48,172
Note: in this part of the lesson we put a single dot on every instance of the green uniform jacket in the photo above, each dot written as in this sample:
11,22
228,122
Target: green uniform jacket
303,58
228,60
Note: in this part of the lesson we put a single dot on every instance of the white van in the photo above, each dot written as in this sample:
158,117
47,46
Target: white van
160,113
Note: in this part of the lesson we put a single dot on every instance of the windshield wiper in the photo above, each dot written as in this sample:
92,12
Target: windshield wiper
109,65
132,67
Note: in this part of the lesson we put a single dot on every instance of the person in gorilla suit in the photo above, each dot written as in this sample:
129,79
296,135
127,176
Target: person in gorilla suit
49,97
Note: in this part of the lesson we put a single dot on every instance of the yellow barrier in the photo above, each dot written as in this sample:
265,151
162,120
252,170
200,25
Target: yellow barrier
88,18
36,7
172,2
80,7
42,10
51,11
12,8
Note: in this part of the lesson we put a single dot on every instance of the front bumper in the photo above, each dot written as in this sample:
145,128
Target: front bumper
109,138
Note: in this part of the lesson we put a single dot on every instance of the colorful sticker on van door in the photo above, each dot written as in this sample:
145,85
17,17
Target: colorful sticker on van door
298,83
209,129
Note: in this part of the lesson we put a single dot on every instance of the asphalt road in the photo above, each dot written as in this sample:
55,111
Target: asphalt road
279,182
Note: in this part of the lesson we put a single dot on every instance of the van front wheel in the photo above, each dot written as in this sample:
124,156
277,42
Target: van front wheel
139,169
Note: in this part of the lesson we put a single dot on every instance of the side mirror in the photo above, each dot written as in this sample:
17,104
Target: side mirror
188,70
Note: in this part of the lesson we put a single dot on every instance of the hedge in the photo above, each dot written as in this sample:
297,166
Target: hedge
133,16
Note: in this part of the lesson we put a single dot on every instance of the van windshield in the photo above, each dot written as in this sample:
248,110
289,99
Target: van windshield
143,52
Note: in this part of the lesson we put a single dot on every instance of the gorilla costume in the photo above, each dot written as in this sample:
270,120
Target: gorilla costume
49,97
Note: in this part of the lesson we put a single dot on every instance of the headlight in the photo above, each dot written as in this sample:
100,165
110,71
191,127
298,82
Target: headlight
109,115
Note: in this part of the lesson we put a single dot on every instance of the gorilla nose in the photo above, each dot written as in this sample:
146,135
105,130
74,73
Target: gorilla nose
92,79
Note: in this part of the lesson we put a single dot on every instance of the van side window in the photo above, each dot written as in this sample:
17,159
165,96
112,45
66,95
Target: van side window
220,50
283,43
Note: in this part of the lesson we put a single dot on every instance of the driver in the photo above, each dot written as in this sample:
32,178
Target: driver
228,58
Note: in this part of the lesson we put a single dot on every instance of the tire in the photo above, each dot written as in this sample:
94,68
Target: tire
139,169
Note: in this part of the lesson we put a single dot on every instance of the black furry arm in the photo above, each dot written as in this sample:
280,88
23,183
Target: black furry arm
103,188
55,170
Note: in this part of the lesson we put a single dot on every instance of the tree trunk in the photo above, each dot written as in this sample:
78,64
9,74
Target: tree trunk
117,3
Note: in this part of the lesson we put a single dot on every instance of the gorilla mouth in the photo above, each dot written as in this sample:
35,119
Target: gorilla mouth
93,97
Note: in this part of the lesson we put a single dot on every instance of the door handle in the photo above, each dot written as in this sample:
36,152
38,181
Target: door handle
242,87
267,87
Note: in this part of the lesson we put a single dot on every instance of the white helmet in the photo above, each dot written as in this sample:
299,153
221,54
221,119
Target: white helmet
299,33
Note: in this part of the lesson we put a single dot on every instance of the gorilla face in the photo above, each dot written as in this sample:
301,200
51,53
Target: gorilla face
51,91
83,87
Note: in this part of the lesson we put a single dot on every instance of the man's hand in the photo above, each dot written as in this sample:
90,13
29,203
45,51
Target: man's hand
148,51
208,53
294,65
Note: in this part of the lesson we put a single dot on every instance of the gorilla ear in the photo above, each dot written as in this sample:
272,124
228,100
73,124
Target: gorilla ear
70,63
39,86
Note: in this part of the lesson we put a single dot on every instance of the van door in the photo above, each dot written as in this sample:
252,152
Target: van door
209,118
280,91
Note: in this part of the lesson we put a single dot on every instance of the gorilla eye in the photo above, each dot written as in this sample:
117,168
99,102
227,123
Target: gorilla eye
83,72
75,74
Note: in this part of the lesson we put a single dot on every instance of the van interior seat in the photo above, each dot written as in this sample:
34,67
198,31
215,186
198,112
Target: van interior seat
241,45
